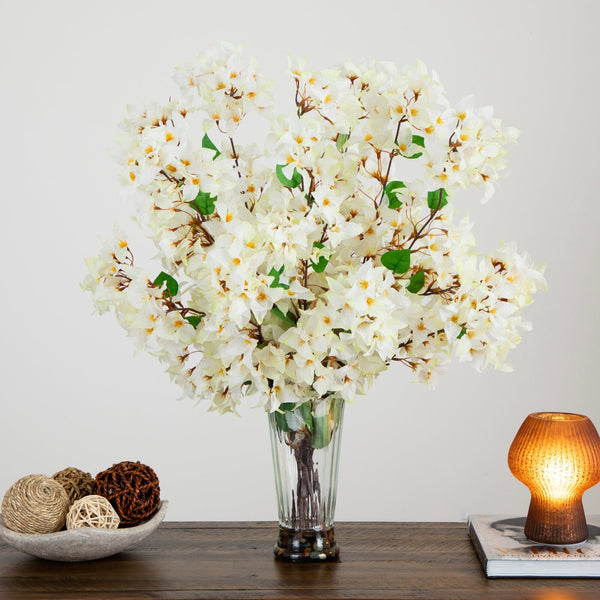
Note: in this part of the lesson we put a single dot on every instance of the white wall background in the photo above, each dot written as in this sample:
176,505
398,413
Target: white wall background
71,391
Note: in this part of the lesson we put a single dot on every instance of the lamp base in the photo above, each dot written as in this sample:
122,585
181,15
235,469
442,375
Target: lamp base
557,523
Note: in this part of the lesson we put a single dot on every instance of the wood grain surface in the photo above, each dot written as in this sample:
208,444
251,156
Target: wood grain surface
424,561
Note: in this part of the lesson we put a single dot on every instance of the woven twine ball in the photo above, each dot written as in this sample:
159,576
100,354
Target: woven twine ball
77,483
132,489
92,511
35,504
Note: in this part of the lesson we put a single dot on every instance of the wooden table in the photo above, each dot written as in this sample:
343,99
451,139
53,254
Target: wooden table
425,561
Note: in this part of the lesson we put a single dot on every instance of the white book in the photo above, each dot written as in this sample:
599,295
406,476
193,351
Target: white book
504,551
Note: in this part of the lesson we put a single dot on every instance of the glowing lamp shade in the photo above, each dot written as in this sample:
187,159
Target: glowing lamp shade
557,456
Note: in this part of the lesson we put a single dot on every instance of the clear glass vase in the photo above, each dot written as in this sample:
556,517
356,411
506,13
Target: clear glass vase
305,442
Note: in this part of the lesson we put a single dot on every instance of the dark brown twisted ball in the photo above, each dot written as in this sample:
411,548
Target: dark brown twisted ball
77,483
133,490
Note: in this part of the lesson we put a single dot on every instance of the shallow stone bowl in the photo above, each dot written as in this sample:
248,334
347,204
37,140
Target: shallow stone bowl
83,543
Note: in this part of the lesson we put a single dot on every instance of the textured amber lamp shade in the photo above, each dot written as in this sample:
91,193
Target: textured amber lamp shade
557,456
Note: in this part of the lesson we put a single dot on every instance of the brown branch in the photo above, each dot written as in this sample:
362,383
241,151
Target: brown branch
324,235
169,177
393,154
429,220
235,158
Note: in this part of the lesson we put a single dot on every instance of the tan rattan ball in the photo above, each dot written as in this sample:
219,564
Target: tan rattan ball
35,504
92,511
77,483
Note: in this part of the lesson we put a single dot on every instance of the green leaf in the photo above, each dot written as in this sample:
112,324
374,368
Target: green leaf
307,415
323,261
321,432
276,274
295,181
193,320
392,194
338,330
171,285
280,415
204,203
207,143
413,155
294,420
462,332
279,313
397,261
418,140
417,281
342,138
281,421
320,266
437,199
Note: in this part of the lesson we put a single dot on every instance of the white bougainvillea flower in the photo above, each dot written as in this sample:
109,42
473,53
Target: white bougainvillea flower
305,268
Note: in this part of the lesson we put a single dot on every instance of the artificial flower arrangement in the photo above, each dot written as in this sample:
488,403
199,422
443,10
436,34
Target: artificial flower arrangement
295,274
306,268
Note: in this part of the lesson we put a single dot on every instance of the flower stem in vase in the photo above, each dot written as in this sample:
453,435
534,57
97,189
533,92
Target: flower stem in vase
305,442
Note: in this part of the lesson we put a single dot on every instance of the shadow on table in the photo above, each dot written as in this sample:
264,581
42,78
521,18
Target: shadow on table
320,575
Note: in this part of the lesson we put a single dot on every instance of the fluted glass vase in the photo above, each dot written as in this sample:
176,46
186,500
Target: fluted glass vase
305,441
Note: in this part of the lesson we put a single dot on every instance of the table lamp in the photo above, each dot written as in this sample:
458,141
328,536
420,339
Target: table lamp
557,456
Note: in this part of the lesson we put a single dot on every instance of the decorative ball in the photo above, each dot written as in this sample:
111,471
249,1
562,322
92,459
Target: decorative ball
132,489
35,504
77,483
92,511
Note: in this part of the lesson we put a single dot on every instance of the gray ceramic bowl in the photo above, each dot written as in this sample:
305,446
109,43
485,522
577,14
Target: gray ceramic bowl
83,543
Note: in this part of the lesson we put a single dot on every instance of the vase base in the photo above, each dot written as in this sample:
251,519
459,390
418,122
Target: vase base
312,545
